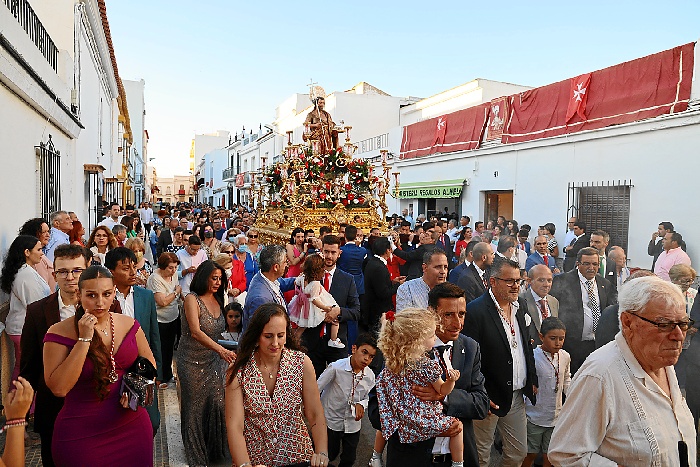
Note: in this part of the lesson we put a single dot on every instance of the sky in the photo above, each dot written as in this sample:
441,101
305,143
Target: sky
226,64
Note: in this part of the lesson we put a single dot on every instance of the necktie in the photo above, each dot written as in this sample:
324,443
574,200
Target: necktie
593,304
543,308
441,353
546,260
327,281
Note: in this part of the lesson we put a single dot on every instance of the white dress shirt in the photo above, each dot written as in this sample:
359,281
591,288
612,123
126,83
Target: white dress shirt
336,387
126,302
275,288
615,414
537,303
442,443
187,261
65,311
518,353
549,401
588,332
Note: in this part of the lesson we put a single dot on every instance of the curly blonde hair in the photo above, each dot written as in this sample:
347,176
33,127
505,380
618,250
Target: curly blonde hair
402,340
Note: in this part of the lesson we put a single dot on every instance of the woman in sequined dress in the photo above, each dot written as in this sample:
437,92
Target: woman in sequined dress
199,367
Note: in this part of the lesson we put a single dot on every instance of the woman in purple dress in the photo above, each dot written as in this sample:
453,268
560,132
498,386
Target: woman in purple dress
85,358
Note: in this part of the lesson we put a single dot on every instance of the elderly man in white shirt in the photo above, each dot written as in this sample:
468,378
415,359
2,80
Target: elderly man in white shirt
625,406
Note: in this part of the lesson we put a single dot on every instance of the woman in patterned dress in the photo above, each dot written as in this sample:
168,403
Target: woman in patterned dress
268,388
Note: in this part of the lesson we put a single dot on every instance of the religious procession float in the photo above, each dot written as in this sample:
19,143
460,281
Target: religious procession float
318,183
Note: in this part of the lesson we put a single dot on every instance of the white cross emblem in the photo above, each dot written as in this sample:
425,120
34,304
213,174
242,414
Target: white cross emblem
441,123
579,92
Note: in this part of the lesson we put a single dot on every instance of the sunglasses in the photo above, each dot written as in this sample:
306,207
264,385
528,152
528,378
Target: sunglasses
252,236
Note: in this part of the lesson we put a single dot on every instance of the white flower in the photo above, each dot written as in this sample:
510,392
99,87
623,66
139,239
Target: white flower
356,201
528,320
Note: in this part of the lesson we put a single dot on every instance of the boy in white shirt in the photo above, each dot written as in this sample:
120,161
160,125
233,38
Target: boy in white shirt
344,386
553,366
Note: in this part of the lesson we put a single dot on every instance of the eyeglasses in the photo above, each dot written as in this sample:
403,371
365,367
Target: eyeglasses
666,326
230,252
63,273
252,236
511,282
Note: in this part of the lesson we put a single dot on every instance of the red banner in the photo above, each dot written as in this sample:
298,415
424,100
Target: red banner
498,112
458,131
240,180
578,96
643,88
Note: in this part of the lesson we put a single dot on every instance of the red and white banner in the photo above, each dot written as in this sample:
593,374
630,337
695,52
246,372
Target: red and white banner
643,88
240,180
578,96
458,131
498,112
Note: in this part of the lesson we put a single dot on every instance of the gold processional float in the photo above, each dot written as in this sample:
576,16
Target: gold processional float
318,183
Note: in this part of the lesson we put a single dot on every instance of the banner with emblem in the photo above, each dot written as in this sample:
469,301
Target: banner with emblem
498,113
643,88
457,131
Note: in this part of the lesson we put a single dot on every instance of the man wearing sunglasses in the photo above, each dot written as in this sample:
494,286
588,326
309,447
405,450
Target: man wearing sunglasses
69,263
583,294
624,407
499,322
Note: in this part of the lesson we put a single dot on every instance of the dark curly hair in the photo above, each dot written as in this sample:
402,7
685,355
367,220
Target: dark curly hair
200,281
97,352
249,342
15,259
33,227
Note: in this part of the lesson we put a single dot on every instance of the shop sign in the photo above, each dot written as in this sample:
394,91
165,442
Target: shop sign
454,191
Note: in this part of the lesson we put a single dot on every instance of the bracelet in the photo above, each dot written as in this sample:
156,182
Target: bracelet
84,339
246,464
13,423
324,454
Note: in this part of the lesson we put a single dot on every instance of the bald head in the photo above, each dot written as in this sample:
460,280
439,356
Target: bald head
540,278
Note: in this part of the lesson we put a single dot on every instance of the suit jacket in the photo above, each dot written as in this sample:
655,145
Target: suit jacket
145,314
484,325
41,315
444,243
608,326
379,291
570,256
457,272
414,260
351,261
528,250
259,293
468,400
164,239
567,289
654,249
610,272
344,292
471,283
534,310
534,259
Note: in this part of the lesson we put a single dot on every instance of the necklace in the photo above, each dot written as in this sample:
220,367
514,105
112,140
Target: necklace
554,361
104,331
356,379
269,373
513,340
113,372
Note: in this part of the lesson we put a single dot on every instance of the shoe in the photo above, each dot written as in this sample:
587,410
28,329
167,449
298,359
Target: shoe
338,344
375,462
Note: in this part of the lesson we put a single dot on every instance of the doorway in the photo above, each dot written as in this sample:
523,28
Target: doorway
498,203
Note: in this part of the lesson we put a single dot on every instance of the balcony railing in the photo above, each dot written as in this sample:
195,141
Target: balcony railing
373,144
138,179
28,19
228,174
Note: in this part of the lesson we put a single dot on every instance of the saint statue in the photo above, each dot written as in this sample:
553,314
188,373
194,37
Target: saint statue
319,124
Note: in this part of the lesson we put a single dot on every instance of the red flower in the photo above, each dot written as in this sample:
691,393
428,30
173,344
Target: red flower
348,186
351,196
345,202
323,196
390,316
361,199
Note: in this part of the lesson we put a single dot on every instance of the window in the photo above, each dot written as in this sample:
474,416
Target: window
603,205
50,178
182,186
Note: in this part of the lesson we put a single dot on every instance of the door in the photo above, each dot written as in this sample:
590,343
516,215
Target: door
498,203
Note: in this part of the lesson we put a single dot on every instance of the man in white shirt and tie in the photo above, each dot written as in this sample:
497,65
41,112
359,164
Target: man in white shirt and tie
540,304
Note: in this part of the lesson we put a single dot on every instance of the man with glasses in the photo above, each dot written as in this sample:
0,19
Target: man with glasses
582,296
69,262
625,407
499,322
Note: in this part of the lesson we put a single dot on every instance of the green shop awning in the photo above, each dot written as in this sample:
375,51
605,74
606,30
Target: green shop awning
439,189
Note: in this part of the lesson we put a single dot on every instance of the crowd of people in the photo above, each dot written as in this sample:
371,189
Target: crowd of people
452,338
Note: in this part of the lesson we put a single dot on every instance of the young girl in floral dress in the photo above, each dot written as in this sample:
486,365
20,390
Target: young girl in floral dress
405,340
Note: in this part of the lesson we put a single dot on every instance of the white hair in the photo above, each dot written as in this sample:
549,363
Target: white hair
239,237
635,295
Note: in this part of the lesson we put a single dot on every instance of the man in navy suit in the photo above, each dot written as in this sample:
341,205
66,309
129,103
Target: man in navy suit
140,304
541,256
600,240
351,258
475,279
582,240
268,285
341,286
582,296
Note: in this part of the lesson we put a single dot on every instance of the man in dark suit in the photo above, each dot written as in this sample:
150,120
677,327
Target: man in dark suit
140,304
443,240
499,322
475,278
414,258
607,267
69,262
342,288
582,240
582,295
379,288
540,305
467,402
656,246
166,237
466,256
352,258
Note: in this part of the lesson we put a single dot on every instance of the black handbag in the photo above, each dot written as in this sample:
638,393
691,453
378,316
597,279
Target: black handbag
139,383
